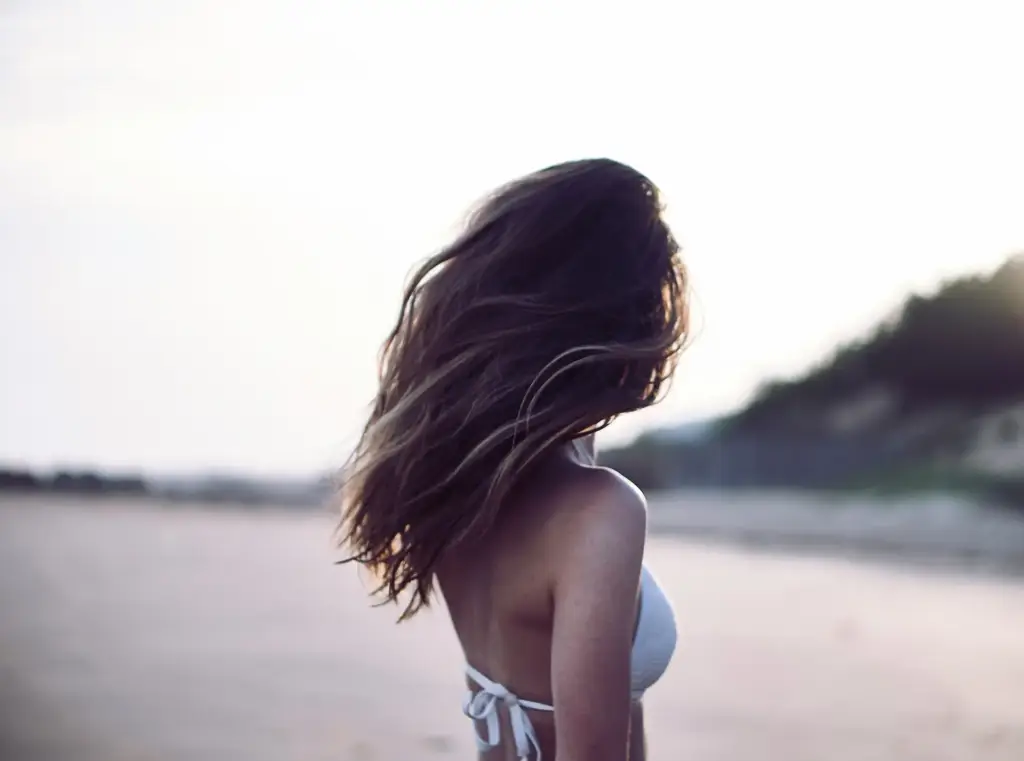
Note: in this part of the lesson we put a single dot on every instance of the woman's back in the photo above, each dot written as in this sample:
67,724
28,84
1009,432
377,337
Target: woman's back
499,595
500,591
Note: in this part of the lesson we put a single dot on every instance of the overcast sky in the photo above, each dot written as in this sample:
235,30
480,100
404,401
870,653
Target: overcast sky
207,207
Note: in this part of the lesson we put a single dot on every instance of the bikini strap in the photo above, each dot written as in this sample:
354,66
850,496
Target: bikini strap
483,706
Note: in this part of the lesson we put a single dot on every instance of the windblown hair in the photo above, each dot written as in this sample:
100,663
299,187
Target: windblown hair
561,306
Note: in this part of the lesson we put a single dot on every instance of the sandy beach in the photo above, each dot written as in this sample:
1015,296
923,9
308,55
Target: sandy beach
131,631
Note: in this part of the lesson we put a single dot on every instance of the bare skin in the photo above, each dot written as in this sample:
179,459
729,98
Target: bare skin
547,606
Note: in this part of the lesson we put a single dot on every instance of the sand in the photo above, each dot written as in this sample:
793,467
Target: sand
129,631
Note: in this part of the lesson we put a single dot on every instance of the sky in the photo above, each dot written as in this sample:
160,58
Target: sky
207,209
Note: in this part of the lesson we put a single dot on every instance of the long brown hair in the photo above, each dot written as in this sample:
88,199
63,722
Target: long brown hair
561,306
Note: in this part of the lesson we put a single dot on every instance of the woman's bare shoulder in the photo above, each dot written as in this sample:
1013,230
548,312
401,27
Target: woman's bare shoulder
597,570
598,499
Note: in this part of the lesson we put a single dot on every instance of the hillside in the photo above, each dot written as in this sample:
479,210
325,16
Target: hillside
932,397
963,347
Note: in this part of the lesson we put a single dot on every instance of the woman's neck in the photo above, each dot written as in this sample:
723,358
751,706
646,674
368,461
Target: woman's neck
584,449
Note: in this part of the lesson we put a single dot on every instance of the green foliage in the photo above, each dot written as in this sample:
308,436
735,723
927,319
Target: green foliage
940,361
964,345
998,489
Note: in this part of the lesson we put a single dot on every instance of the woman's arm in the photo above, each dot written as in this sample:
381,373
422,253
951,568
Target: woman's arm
597,575
637,736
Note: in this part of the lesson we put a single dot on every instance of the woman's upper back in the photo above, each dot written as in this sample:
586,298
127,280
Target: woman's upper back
546,605
499,592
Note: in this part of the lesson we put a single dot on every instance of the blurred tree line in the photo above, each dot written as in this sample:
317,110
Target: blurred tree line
207,490
944,359
962,346
16,479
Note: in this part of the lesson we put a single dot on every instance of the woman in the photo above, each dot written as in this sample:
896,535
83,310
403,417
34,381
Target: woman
559,308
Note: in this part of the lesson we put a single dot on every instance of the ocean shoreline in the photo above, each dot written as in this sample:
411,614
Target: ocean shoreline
930,530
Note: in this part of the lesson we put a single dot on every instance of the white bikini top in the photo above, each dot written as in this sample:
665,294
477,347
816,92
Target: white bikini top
653,645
